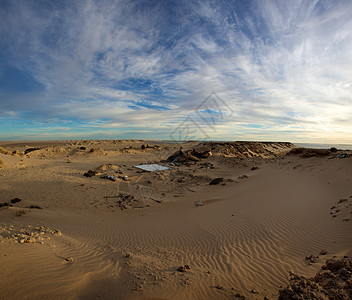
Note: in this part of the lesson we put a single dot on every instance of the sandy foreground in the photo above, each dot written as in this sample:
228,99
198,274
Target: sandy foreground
68,236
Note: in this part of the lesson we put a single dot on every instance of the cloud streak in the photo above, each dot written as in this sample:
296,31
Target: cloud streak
282,67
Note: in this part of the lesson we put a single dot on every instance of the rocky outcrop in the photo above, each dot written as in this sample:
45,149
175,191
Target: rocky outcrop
247,149
334,281
231,149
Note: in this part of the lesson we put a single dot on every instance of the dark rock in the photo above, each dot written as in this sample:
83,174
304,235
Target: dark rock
254,168
204,154
342,201
216,181
35,207
90,173
333,149
16,200
336,264
325,285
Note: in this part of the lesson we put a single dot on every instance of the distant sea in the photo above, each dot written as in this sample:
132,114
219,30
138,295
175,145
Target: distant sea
325,146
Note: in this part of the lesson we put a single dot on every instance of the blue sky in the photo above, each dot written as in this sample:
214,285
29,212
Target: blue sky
218,70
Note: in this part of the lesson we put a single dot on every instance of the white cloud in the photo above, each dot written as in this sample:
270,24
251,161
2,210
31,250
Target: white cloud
282,65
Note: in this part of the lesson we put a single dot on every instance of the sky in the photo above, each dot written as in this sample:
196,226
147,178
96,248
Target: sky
176,70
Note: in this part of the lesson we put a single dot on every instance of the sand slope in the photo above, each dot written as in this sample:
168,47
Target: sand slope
249,234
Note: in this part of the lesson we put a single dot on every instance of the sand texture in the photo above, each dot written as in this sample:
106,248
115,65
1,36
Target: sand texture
68,233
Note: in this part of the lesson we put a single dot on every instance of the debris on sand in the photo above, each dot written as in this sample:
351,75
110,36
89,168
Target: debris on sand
312,258
125,201
124,177
183,268
344,155
69,259
90,173
332,282
110,177
198,203
152,167
216,181
219,287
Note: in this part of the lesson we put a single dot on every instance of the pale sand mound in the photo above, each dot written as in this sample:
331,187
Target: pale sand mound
4,151
107,167
47,151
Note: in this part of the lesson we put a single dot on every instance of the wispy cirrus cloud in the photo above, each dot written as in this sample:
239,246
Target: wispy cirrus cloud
282,67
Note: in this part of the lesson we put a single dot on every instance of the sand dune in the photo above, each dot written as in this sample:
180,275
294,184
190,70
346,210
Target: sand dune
250,232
